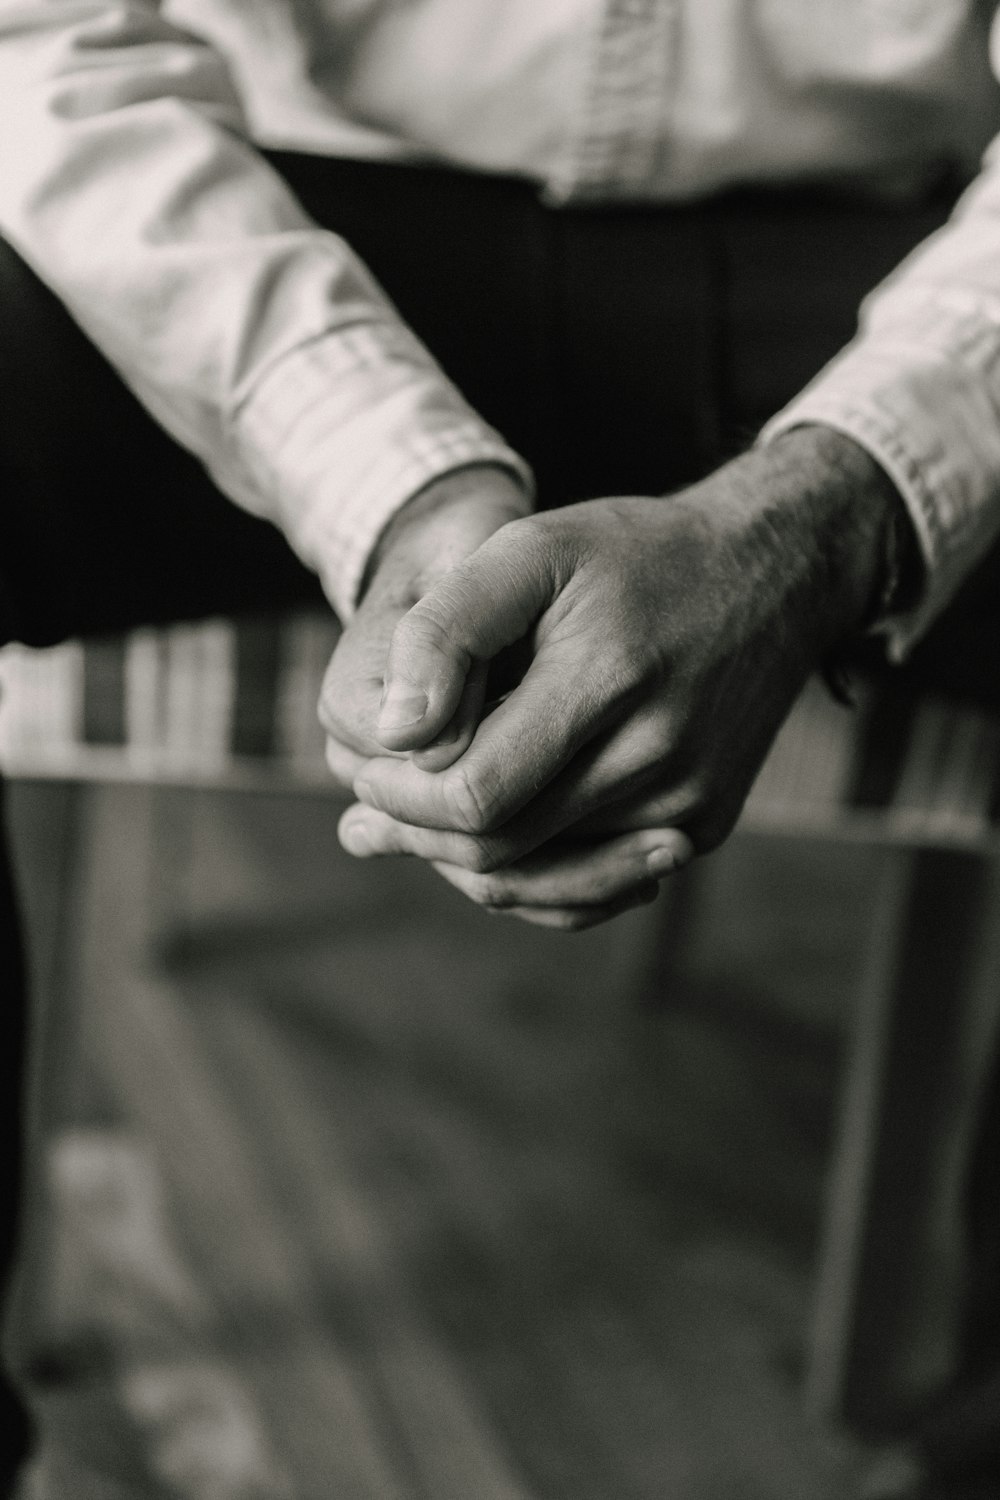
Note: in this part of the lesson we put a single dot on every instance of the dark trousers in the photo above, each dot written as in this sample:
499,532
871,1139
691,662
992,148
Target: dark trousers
622,351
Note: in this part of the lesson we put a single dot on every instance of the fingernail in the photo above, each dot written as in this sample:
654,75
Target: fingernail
662,860
356,839
402,704
447,736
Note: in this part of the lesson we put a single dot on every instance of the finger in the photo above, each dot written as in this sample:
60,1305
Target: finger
578,918
707,816
343,762
367,833
352,684
557,875
575,876
457,737
574,697
561,816
487,603
615,769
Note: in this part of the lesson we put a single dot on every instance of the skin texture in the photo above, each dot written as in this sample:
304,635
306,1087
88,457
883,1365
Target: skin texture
661,642
431,535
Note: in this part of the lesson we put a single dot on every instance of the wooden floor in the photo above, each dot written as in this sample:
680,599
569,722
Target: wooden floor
355,1193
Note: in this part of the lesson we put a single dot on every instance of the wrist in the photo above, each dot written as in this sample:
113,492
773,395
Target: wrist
442,523
852,527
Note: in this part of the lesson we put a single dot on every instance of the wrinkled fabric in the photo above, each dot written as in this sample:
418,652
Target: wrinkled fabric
130,181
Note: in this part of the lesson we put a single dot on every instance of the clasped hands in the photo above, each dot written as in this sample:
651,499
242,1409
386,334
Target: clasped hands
557,711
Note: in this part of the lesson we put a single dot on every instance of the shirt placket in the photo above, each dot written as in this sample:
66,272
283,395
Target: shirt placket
622,126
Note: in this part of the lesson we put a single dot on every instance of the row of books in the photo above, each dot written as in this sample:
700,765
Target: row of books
187,701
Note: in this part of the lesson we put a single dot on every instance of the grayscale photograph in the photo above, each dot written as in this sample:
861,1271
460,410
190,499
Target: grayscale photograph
500,749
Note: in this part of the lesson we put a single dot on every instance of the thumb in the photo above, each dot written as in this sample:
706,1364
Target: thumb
488,602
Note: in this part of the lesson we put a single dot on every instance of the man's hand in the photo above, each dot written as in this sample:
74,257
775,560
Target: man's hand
434,532
669,639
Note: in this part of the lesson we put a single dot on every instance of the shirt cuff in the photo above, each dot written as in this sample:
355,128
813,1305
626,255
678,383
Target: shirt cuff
344,431
924,407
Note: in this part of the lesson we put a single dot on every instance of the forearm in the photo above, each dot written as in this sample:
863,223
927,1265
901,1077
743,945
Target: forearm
919,389
257,339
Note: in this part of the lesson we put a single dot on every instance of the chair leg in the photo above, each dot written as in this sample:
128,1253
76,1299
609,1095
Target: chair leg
890,1287
97,909
57,814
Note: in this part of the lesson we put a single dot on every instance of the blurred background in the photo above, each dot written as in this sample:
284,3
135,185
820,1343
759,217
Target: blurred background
350,1189
341,1186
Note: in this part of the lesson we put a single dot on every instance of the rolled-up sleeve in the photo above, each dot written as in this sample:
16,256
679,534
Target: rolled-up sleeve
919,388
258,340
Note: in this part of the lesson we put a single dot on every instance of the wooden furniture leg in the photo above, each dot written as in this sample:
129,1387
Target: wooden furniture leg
48,822
888,1302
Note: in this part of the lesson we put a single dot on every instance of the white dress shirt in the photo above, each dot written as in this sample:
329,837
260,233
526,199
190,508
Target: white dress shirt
130,181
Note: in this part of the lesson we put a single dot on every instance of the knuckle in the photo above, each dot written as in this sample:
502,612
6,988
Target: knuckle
422,628
627,672
423,638
482,857
488,890
529,532
470,807
539,544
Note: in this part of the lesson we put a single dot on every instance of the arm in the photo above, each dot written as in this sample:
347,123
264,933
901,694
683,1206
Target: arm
915,401
260,342
919,390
